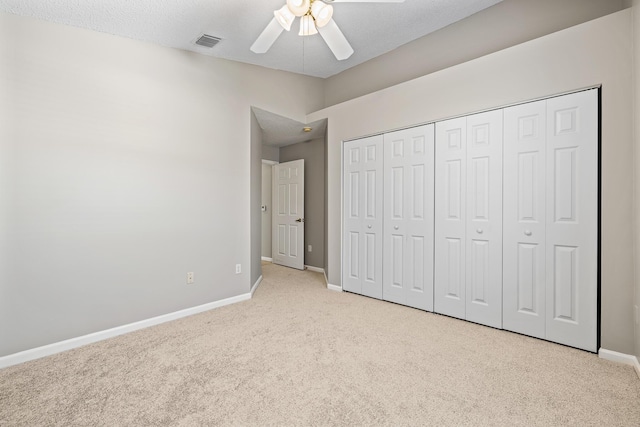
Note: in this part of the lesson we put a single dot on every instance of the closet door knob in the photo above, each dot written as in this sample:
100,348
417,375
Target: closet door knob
479,231
395,227
369,226
527,232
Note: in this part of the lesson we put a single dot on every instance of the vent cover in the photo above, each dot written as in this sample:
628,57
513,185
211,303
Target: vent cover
208,41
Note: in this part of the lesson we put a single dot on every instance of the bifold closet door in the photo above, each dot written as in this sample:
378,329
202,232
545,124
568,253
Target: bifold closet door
572,220
484,218
468,218
524,228
363,192
450,211
408,217
551,219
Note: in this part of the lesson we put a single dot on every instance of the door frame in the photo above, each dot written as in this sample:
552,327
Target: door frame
270,163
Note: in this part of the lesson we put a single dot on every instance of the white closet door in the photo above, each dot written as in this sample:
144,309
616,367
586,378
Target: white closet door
524,218
408,217
484,219
362,245
450,225
572,222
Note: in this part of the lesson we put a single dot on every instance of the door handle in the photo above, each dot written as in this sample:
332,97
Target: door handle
369,226
395,227
479,231
300,220
527,232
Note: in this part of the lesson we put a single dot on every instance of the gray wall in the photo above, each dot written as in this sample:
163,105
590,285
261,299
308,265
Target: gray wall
636,113
123,166
506,24
266,216
314,171
597,52
271,153
256,199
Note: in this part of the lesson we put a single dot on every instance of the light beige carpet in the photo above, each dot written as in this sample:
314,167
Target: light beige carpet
298,354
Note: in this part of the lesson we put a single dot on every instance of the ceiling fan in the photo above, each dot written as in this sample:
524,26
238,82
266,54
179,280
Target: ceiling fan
316,16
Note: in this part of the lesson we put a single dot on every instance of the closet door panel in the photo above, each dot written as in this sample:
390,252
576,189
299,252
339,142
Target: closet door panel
484,219
524,219
363,192
572,222
408,213
450,210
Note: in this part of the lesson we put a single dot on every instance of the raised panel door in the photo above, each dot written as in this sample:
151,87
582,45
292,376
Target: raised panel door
288,232
362,216
408,217
572,220
484,219
524,232
450,221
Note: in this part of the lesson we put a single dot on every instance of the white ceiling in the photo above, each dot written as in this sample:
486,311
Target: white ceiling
279,131
371,28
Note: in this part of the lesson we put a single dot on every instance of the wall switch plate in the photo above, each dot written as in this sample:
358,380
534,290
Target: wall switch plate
190,278
309,248
238,268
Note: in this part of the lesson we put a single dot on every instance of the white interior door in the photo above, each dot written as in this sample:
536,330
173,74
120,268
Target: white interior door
524,218
288,214
450,210
408,217
572,219
362,234
484,219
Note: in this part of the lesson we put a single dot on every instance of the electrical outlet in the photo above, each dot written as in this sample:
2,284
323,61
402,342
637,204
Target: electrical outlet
190,278
238,268
309,248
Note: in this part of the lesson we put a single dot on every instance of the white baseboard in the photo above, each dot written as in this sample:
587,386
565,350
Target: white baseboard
314,269
265,258
614,356
329,285
58,347
255,285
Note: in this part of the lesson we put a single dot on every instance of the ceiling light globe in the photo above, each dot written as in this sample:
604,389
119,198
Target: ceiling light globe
298,7
307,26
322,13
284,17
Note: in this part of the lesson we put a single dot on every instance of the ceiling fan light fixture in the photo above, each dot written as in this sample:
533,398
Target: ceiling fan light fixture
307,26
285,17
321,12
298,7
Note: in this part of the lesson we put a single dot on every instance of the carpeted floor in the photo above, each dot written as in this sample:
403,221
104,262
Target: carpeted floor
298,354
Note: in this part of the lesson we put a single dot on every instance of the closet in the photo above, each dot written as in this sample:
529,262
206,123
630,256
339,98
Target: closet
407,267
491,218
551,219
388,217
362,229
468,218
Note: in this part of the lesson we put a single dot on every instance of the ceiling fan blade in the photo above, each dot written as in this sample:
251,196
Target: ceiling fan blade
364,1
336,40
267,37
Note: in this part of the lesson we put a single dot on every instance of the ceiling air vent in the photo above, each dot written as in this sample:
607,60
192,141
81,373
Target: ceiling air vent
207,40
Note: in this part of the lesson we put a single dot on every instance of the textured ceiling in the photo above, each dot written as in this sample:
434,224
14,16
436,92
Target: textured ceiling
279,131
371,28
